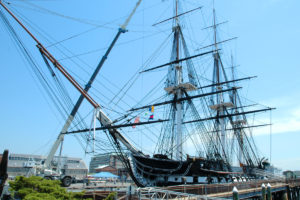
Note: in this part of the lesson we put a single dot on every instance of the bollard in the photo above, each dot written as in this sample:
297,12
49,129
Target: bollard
235,193
269,192
263,192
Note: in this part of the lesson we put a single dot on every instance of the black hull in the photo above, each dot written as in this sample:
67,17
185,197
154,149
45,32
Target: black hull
165,172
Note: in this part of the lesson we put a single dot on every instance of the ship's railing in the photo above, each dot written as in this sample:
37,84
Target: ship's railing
157,193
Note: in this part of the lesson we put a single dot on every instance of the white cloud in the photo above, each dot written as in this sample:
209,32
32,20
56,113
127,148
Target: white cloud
286,117
282,124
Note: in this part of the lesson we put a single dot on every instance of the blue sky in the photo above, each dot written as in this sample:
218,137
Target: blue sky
268,37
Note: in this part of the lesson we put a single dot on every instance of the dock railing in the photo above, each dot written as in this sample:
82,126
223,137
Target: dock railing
202,190
157,193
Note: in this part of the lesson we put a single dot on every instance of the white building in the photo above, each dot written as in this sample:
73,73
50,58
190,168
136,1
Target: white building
22,165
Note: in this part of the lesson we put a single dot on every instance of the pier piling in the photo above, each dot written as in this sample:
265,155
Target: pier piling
235,193
269,192
263,192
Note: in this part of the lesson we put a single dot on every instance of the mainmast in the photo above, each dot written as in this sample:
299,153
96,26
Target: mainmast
220,105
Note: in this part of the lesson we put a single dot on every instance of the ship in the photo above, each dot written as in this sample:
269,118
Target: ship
213,114
207,115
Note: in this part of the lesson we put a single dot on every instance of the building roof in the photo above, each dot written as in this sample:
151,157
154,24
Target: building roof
104,175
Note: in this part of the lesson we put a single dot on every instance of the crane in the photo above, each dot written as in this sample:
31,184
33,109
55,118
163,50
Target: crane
45,169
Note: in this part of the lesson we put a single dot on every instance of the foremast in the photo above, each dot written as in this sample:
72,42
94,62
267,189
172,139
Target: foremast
175,85
178,76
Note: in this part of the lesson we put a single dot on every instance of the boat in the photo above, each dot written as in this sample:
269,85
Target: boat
207,113
212,113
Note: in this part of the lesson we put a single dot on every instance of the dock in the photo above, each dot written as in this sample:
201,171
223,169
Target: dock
279,190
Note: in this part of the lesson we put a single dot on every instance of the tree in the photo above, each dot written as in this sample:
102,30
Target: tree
36,188
111,196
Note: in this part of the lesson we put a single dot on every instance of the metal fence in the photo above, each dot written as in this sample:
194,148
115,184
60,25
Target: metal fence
157,193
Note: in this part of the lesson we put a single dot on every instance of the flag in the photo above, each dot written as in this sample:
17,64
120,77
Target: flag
137,120
151,117
152,108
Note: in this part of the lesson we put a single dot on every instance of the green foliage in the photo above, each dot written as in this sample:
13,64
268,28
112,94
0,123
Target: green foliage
36,188
111,196
39,196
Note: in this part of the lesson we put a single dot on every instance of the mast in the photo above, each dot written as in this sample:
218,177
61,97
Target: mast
176,86
221,135
178,77
238,122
